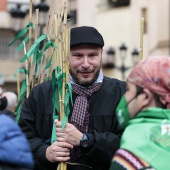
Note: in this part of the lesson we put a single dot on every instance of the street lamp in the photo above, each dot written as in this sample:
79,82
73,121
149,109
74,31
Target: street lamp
111,56
135,56
43,9
17,17
110,59
123,68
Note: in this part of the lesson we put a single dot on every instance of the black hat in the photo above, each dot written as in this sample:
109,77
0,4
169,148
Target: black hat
3,103
86,35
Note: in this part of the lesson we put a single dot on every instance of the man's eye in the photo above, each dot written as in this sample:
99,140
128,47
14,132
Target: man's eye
92,55
77,55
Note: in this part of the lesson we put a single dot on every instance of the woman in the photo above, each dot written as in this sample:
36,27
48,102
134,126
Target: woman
144,111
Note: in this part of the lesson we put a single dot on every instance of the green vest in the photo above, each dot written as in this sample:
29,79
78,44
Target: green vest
148,137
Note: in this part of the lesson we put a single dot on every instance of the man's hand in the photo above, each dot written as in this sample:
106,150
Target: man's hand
58,152
70,134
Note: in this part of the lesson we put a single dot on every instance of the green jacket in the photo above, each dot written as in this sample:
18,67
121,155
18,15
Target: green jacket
148,137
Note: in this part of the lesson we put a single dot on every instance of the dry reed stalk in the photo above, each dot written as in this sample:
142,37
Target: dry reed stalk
49,28
18,85
141,38
29,60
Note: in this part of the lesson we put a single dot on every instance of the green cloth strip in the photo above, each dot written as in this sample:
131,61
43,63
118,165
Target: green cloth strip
21,33
22,44
48,44
55,98
33,48
54,134
21,97
20,70
66,104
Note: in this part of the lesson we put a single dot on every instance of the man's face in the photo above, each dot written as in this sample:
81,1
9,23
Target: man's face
85,63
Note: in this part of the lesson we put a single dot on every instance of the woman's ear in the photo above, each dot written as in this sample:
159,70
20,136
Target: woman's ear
148,97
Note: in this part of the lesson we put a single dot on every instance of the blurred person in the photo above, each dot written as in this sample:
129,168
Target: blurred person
15,152
12,102
145,112
3,101
91,135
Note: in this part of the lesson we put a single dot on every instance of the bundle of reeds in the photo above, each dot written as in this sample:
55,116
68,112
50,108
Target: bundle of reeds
45,63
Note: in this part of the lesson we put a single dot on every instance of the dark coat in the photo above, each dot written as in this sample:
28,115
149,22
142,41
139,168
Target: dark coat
104,134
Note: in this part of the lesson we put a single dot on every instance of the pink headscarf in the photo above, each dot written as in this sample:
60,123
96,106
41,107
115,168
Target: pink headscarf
153,73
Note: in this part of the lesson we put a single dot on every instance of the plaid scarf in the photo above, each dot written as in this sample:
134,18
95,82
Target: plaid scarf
80,115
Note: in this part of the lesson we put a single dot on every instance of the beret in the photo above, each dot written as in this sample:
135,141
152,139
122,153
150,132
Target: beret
86,35
3,103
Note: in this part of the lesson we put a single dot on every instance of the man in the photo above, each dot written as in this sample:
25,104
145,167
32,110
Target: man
91,137
145,112
11,103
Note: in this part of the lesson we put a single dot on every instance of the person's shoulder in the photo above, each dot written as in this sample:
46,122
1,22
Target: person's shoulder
7,125
43,86
114,81
5,119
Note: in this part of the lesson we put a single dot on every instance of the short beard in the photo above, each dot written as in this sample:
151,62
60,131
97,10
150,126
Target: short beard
84,84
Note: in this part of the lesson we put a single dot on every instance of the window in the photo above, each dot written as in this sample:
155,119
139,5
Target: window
119,3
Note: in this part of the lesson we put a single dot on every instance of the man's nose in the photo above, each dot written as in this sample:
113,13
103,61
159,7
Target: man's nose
85,62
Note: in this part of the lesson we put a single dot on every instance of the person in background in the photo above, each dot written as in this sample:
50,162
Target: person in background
11,103
15,152
145,112
3,101
91,135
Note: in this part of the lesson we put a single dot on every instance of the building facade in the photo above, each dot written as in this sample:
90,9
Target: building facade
118,21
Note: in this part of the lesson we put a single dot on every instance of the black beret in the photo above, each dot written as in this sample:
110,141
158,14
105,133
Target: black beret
86,35
3,103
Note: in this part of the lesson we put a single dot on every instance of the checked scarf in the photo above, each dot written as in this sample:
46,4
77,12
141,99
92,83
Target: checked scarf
80,115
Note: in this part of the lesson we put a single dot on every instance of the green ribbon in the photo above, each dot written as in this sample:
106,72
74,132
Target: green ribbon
39,55
18,114
59,79
20,70
47,78
49,62
54,134
66,104
21,97
22,44
21,33
48,44
55,98
33,48
35,54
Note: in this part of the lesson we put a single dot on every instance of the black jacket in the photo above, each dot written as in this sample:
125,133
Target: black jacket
104,134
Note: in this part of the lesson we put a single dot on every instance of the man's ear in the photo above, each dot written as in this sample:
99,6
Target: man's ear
148,97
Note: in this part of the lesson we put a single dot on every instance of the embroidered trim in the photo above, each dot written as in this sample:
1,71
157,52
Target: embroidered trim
131,158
